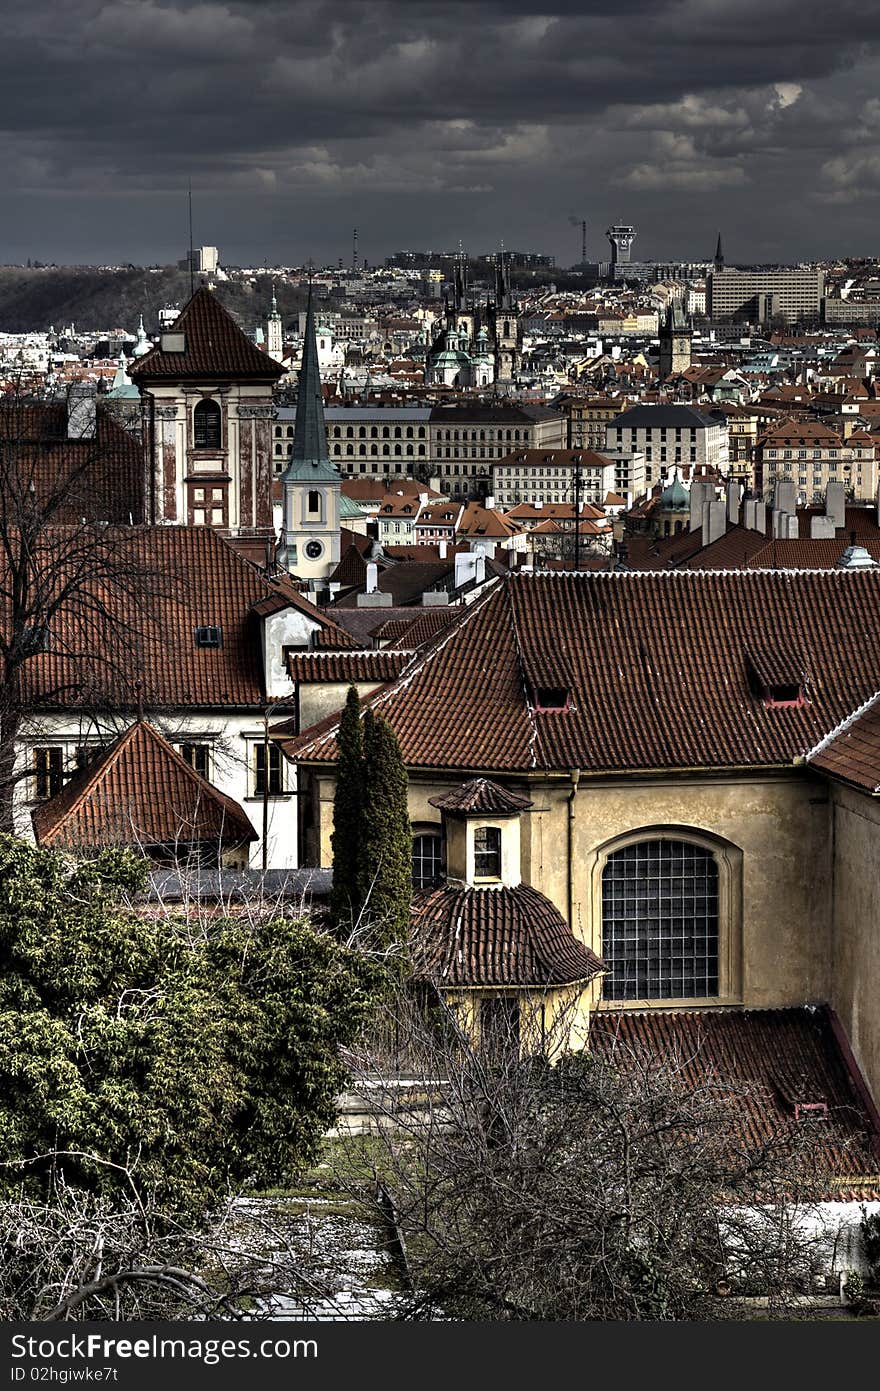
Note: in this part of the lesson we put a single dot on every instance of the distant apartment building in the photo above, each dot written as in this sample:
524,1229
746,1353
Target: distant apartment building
466,439
588,417
551,476
794,296
865,312
667,436
366,441
812,454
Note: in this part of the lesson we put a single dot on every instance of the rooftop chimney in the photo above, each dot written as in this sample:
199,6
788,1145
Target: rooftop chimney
372,577
82,407
835,503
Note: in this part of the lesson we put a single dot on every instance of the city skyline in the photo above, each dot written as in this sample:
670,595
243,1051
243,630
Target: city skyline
438,122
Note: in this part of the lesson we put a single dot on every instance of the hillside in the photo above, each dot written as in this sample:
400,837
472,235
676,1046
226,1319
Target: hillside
93,299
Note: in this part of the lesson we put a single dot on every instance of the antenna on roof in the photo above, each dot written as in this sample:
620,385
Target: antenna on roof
191,265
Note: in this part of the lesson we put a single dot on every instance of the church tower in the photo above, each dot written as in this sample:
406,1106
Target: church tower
505,323
718,262
208,408
275,333
675,342
311,485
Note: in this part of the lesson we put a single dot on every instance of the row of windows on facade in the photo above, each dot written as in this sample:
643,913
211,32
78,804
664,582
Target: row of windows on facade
51,768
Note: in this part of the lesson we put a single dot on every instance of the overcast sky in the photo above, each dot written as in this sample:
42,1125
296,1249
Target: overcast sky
428,121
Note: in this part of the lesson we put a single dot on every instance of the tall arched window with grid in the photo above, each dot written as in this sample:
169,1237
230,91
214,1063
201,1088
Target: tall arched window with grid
660,921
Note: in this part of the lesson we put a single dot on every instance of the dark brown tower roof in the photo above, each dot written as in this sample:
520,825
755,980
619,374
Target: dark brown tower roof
480,796
496,936
213,346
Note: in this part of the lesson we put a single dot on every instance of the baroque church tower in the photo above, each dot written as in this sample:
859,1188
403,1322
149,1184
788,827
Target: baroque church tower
208,412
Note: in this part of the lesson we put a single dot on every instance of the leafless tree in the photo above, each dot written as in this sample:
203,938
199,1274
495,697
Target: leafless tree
596,1187
78,584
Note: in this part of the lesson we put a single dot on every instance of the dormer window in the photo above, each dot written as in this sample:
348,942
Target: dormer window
779,678
487,852
209,636
552,699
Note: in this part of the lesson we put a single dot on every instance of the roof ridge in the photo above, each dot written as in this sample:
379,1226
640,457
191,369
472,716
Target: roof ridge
842,727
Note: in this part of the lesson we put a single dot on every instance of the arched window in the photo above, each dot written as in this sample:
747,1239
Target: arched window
386,433
313,502
487,852
660,921
386,448
362,432
362,449
398,433
290,432
349,449
421,432
374,449
206,425
349,432
409,432
336,431
427,860
374,432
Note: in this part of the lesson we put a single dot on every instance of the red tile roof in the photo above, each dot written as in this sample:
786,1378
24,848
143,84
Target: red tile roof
135,621
424,625
656,666
481,795
380,665
496,936
782,1058
214,348
140,792
101,479
851,753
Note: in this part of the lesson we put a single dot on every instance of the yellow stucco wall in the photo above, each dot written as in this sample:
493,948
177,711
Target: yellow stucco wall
775,835
856,925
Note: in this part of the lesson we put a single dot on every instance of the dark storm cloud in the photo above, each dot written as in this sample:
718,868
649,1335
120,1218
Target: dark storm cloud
425,121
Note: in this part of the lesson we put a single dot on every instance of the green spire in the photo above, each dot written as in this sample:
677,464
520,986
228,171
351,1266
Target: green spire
310,459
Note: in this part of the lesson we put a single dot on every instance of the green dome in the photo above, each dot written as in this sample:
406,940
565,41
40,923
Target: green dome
675,498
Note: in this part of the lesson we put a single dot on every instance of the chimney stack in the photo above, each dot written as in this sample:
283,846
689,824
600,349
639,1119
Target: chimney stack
699,494
734,493
714,521
835,503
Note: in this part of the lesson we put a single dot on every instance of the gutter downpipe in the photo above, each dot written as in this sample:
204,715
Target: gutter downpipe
575,776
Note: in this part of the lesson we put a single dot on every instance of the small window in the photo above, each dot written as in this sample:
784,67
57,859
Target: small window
487,852
48,772
314,503
208,636
427,861
206,425
197,756
276,779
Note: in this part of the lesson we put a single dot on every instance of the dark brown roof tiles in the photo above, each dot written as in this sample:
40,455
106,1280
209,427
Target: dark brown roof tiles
481,795
496,936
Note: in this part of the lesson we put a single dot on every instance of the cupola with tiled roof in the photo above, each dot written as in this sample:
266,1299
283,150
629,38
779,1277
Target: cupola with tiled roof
480,796
510,937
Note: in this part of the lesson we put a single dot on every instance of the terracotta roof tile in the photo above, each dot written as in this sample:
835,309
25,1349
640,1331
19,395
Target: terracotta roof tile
496,936
656,666
101,479
852,753
140,792
481,795
783,1057
381,665
119,633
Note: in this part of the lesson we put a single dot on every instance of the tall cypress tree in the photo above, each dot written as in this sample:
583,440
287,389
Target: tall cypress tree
386,840
348,806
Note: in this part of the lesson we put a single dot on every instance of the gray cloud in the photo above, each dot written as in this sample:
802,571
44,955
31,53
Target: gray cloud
424,122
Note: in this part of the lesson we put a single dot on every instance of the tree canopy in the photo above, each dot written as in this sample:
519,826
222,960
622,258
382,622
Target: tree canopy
185,1058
